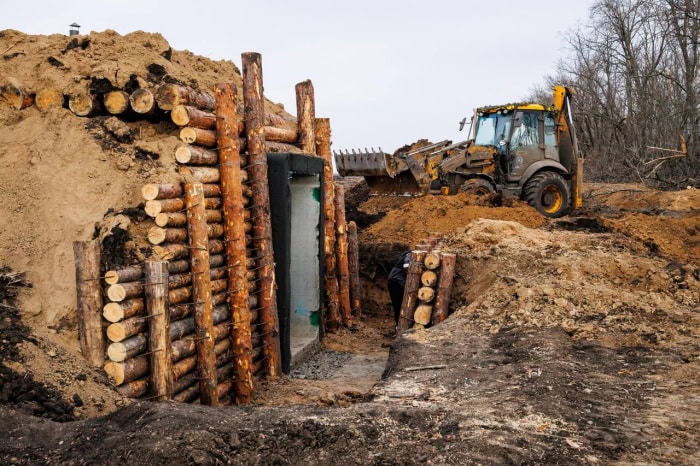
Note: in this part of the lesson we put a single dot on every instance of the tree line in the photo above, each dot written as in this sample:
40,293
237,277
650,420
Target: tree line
634,69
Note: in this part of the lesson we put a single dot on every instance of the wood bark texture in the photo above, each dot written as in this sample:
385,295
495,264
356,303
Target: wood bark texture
444,288
306,116
201,287
262,230
354,266
410,297
234,235
322,132
342,256
89,300
169,96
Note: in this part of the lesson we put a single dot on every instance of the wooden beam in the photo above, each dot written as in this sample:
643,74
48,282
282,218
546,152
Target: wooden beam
89,301
306,114
410,295
158,329
354,268
444,288
341,239
234,235
262,230
201,291
322,132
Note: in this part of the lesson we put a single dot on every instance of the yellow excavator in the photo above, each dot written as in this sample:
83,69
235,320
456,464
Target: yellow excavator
525,150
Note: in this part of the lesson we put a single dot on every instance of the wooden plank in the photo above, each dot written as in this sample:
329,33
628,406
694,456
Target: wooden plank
89,301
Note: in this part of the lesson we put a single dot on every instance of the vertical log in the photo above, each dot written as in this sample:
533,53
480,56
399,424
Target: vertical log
354,266
410,294
201,292
158,329
306,114
323,148
234,235
262,228
444,288
89,300
342,256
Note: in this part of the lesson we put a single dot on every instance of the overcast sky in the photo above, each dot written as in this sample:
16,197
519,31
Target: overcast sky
387,72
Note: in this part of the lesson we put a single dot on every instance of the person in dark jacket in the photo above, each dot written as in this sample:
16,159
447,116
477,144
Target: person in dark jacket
397,283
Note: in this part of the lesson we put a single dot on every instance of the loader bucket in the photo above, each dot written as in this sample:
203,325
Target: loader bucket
364,163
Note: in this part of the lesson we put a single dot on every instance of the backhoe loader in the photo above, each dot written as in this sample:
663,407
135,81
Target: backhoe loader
525,150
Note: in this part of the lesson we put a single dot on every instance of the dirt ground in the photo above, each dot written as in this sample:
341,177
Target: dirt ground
570,341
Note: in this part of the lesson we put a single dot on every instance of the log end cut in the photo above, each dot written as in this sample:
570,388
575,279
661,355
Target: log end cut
423,314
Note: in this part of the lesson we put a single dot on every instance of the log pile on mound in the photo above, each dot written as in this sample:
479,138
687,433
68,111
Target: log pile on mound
205,218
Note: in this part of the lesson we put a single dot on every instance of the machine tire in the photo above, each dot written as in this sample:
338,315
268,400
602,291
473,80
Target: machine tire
548,192
478,187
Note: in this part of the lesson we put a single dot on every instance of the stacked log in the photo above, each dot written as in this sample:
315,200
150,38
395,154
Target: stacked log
116,102
49,97
15,95
428,286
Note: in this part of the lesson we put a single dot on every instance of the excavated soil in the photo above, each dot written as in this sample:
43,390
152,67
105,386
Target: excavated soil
571,341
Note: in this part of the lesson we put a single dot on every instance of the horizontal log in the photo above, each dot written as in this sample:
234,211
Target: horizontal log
14,94
83,105
119,331
429,278
114,312
207,174
121,291
199,137
194,155
155,207
422,314
280,134
170,96
143,102
171,251
185,365
152,191
134,389
183,115
271,146
126,371
116,102
179,219
432,260
426,294
127,274
127,349
158,235
49,97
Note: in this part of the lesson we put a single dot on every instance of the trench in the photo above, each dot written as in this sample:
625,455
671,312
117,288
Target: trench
347,364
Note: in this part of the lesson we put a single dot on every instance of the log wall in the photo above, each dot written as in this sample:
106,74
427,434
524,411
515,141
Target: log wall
212,331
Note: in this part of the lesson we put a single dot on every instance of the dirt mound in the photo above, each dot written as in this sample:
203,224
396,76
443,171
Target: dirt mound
422,217
595,286
104,60
636,197
66,178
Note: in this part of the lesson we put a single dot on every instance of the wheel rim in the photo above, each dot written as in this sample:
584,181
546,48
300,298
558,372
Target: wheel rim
552,199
